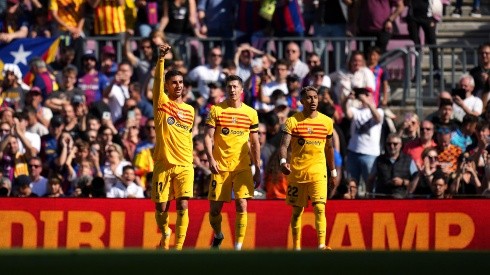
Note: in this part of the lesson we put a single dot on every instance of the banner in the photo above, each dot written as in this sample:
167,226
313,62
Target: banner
22,51
352,224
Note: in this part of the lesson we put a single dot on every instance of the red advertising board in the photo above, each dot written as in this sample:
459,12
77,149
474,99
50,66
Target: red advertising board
352,225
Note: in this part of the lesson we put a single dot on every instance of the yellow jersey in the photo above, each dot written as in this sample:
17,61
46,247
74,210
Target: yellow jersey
173,125
232,130
68,11
308,137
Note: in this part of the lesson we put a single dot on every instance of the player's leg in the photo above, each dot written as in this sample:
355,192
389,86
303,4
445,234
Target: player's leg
243,187
219,192
317,191
182,187
297,197
296,226
160,195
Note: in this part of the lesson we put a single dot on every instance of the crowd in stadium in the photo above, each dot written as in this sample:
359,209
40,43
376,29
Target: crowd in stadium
82,125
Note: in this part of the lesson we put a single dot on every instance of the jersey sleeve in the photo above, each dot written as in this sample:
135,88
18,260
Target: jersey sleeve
329,126
254,126
159,96
211,118
288,126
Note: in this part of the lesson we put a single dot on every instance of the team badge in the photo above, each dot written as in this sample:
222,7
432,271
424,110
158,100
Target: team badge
233,120
170,120
225,131
180,114
310,130
301,141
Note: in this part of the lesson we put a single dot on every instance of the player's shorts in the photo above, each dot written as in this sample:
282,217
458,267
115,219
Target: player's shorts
298,193
221,185
175,182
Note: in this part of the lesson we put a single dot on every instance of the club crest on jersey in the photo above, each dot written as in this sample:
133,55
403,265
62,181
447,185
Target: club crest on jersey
301,141
233,120
310,130
225,131
170,120
180,114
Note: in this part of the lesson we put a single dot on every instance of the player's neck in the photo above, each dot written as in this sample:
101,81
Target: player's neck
310,114
234,103
176,99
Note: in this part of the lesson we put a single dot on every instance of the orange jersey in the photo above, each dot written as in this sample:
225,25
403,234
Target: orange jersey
232,131
308,140
173,125
109,18
68,11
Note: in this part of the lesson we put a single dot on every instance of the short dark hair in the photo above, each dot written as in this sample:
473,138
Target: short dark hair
445,102
127,167
307,89
468,119
172,73
233,78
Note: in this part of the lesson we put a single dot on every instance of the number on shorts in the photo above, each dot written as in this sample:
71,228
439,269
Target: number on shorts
213,184
292,191
160,187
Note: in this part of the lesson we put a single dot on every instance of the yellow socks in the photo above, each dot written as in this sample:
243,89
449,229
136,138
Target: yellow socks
181,225
162,222
296,226
320,223
240,229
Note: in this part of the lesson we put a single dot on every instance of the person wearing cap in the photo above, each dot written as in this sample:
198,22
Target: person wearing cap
14,23
310,169
108,64
49,142
91,82
43,78
70,20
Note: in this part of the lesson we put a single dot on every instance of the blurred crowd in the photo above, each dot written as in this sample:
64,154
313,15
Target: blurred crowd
82,126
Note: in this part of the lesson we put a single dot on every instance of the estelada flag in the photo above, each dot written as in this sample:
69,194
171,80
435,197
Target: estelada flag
22,51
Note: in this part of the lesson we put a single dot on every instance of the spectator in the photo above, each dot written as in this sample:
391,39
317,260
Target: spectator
475,12
5,187
357,75
481,74
466,181
142,66
463,136
416,147
67,91
127,187
39,184
448,153
419,16
42,25
49,142
393,171
109,18
118,90
444,115
365,131
70,20
65,58
54,188
464,100
130,138
28,142
34,100
12,162
91,82
243,60
282,71
143,159
33,125
331,21
313,61
202,175
210,72
381,76
293,56
43,79
141,103
439,186
113,164
147,16
276,185
108,63
410,129
293,97
351,192
24,189
421,186
376,18
217,19
13,22
13,88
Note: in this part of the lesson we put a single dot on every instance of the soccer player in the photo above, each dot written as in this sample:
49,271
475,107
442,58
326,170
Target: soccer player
173,174
310,135
231,124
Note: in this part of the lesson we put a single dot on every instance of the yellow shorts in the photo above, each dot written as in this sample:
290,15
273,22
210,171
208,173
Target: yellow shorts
168,184
298,193
221,185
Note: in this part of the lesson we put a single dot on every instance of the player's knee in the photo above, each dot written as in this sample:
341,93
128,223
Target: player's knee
297,211
319,208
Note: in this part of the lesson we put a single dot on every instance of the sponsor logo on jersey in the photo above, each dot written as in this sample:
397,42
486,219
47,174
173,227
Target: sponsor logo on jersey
236,132
185,127
225,131
170,120
313,142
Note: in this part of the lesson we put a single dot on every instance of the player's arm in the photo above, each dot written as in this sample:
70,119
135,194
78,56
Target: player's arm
283,151
255,150
208,146
159,95
329,155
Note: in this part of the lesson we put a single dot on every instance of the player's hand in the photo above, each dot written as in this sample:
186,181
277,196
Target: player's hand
164,48
257,178
213,166
285,169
